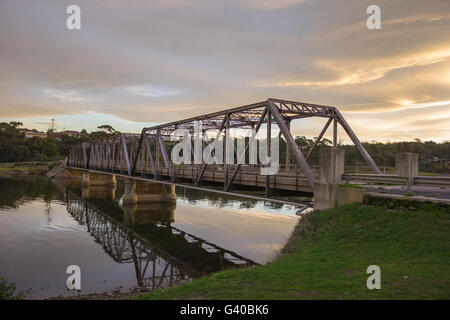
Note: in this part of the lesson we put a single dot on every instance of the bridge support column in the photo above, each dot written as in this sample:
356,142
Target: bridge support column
98,179
147,192
85,179
130,196
73,177
331,168
407,164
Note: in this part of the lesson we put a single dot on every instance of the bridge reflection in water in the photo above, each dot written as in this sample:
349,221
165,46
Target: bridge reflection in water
142,235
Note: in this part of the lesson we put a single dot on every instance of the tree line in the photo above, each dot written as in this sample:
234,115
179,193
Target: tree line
15,147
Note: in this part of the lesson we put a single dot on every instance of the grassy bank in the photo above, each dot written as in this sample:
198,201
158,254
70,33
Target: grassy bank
329,252
26,167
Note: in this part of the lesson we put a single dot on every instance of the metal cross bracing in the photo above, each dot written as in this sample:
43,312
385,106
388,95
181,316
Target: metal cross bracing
148,153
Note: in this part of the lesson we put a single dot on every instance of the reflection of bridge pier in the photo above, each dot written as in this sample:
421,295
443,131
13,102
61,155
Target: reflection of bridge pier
98,192
154,268
142,235
148,213
147,192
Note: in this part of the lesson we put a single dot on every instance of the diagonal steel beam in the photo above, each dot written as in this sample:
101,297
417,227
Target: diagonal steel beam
162,146
109,155
150,156
85,156
125,153
269,153
319,138
291,142
227,129
115,156
88,156
357,143
202,170
252,139
133,170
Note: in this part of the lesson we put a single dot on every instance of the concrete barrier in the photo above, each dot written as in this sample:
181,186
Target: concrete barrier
350,195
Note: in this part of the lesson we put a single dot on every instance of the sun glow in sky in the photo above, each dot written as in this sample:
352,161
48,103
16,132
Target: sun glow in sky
138,63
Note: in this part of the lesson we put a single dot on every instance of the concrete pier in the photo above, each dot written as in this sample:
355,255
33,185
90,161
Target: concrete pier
97,179
331,162
407,164
147,192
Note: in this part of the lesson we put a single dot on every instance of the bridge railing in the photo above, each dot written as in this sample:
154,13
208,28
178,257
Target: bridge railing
393,179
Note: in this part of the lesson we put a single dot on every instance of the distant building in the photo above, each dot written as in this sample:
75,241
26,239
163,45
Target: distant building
444,162
31,134
69,133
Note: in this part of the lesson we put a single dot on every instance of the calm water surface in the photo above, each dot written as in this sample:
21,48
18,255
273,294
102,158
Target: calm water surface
46,226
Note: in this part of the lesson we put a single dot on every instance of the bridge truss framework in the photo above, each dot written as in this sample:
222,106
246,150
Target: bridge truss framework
147,153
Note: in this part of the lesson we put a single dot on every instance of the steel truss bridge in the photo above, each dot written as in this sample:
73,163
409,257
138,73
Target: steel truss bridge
155,267
146,154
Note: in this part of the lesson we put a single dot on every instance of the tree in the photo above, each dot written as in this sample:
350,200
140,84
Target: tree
16,124
107,128
49,148
21,153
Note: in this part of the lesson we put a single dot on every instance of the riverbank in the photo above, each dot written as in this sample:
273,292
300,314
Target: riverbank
25,168
329,252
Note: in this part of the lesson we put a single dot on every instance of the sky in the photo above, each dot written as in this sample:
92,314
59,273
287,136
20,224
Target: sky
138,63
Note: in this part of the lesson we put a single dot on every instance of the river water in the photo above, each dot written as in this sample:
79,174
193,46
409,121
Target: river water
45,226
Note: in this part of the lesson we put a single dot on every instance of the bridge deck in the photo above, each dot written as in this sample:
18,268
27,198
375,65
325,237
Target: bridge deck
301,204
284,180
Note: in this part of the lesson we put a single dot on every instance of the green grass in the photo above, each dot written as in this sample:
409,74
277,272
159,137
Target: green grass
351,186
328,255
37,168
8,291
433,174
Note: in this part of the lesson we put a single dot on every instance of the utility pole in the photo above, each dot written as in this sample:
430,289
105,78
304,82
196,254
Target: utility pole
52,129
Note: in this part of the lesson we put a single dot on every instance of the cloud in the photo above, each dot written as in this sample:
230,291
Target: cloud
158,61
411,105
271,4
253,4
363,71
152,91
416,19
70,96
